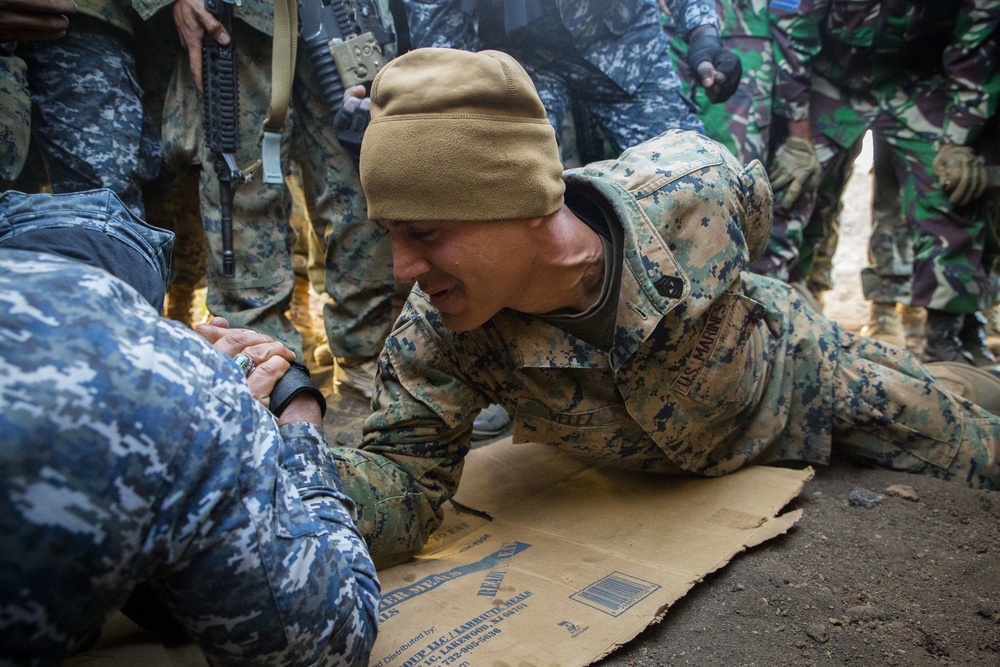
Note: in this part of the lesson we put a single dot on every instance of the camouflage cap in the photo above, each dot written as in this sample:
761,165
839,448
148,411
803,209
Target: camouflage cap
457,135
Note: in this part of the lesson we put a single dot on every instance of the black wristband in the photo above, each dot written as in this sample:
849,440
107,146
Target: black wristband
295,381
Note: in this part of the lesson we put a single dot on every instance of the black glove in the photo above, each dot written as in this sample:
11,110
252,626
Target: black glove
295,381
349,124
705,47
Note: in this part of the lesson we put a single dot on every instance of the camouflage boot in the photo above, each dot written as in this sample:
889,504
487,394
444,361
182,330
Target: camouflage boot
885,324
973,337
943,343
180,299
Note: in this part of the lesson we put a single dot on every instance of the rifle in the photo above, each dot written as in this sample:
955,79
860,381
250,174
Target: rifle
222,128
344,41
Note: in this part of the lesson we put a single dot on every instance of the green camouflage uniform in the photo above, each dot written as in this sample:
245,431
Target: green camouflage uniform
774,41
710,369
989,148
359,263
918,75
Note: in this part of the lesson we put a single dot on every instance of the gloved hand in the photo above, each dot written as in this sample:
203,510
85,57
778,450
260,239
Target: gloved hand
960,172
350,124
796,166
716,68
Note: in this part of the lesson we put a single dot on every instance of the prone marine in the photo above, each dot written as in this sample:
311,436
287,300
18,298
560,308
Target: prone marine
607,309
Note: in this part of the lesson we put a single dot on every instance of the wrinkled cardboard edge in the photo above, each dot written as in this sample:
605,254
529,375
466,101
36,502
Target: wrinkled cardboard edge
771,528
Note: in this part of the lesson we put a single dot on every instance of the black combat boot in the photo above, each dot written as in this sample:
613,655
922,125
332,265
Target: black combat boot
943,342
973,337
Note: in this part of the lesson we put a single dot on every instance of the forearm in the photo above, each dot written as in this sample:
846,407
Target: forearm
279,574
398,497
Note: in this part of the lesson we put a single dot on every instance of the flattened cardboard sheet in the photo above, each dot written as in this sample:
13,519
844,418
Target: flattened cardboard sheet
546,561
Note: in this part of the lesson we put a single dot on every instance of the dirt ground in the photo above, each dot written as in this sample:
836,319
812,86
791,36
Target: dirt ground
912,580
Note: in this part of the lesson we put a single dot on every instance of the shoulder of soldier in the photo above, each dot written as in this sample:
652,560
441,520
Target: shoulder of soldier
643,168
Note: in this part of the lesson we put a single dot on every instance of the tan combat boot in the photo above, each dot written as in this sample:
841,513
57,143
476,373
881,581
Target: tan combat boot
914,318
993,328
973,383
180,300
885,324
301,309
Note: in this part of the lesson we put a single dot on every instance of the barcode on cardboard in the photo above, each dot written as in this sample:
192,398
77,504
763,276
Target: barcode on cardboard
615,593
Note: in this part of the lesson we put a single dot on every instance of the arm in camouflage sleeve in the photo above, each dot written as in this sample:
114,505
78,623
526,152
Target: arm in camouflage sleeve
795,31
289,575
441,23
415,442
971,66
690,14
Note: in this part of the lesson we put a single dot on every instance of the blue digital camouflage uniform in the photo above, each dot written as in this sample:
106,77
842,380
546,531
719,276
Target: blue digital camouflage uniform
358,259
133,452
918,75
711,369
87,118
613,57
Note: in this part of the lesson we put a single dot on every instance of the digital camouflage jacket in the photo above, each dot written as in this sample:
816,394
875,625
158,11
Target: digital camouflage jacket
621,39
710,369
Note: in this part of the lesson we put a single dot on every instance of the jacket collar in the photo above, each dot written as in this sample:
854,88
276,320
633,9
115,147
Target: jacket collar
651,285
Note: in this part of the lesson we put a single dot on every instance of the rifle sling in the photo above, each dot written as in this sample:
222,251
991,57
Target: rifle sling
286,32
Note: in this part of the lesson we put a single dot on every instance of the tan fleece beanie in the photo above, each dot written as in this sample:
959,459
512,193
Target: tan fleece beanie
457,135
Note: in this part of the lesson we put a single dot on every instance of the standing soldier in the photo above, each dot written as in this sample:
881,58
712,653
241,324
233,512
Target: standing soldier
612,57
87,118
923,77
770,108
358,268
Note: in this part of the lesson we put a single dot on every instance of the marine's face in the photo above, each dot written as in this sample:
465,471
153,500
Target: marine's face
470,270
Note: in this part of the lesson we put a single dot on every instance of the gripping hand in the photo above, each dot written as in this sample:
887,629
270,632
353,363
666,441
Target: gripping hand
960,172
795,167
